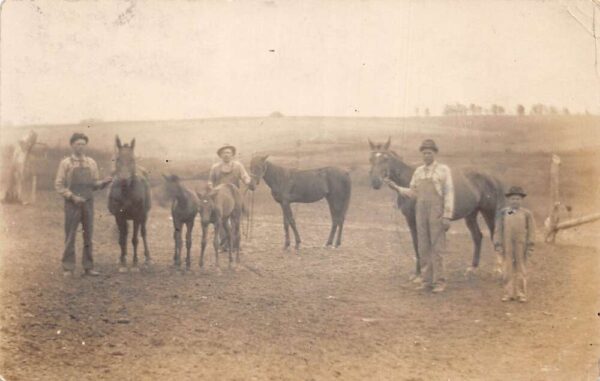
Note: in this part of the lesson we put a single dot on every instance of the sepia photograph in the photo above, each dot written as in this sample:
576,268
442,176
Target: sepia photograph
300,190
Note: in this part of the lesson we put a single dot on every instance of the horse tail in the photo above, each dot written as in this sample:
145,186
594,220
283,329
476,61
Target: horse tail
347,181
497,193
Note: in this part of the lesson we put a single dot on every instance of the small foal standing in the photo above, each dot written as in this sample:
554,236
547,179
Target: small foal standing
129,199
184,208
222,207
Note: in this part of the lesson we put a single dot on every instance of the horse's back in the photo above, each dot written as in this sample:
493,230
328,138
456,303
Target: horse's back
311,185
474,190
228,198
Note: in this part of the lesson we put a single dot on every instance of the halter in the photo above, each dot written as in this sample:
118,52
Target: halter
256,177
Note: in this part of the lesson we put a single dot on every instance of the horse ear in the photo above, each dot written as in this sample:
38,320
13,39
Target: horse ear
387,144
371,145
118,142
132,145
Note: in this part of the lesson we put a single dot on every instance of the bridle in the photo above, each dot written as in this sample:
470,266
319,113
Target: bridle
257,178
375,161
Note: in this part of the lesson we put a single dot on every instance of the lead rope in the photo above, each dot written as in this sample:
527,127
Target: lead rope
251,217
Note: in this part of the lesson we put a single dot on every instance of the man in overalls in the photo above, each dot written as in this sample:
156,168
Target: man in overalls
432,186
228,170
76,180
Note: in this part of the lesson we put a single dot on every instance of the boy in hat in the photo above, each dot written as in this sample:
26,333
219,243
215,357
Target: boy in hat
515,238
228,170
76,180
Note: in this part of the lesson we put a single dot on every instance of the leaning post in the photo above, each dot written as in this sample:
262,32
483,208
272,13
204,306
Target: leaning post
553,218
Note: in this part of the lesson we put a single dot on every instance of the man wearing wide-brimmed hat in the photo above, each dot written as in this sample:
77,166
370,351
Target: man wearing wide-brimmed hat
515,238
76,180
228,170
432,186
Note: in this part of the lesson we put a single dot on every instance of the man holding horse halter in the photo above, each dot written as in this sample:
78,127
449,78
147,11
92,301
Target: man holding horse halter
432,186
228,170
76,180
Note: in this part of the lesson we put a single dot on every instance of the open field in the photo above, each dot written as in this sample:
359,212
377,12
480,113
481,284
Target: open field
347,314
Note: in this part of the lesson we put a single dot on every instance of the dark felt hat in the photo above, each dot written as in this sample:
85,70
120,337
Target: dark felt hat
226,146
428,144
78,136
515,190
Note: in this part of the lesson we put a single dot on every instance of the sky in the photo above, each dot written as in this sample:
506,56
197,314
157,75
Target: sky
65,61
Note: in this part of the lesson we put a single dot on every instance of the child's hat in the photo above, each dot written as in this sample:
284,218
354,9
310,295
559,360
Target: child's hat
515,190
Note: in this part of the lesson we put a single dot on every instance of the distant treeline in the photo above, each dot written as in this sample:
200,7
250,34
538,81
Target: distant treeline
495,109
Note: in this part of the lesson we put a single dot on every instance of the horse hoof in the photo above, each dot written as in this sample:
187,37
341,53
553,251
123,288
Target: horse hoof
148,262
416,279
498,274
135,269
470,271
123,269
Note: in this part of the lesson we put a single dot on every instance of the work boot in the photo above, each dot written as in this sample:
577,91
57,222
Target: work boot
438,288
90,272
506,298
522,299
422,286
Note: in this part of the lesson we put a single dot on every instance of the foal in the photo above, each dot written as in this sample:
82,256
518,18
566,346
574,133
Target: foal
222,207
184,208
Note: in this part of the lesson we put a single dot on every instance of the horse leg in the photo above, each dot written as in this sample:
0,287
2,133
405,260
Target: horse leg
147,259
188,244
334,224
473,226
122,224
203,244
286,228
134,242
412,226
338,242
177,226
227,229
292,223
235,235
216,241
490,219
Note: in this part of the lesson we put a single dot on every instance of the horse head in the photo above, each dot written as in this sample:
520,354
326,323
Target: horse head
206,205
125,161
169,190
258,167
380,162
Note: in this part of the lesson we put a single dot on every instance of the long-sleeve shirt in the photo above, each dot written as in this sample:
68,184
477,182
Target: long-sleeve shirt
441,176
517,224
65,170
235,170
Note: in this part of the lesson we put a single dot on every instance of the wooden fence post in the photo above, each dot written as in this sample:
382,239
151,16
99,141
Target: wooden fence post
553,217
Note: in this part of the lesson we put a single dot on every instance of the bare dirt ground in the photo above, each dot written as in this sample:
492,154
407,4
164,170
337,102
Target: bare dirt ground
347,314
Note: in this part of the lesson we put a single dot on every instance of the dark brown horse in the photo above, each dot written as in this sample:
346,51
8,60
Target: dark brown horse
222,207
305,186
475,192
129,199
184,208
